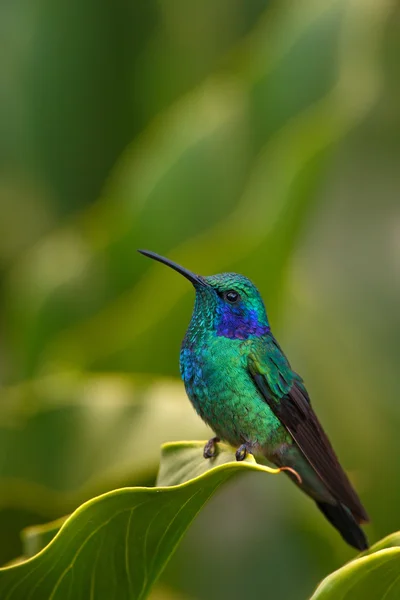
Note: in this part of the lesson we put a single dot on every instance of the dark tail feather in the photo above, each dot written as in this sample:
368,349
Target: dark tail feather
345,523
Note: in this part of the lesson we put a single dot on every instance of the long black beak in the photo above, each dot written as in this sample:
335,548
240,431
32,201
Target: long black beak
195,279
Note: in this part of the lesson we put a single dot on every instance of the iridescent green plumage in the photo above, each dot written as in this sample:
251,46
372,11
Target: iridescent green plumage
242,385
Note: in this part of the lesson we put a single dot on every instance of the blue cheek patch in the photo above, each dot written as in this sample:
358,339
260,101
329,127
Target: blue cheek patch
238,324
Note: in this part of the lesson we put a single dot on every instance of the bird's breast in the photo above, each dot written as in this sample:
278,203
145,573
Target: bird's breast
221,390
212,370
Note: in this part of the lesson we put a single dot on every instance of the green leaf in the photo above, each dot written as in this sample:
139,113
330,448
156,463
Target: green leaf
375,575
35,538
390,541
116,545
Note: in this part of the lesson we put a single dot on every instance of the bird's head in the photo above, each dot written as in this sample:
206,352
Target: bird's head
227,303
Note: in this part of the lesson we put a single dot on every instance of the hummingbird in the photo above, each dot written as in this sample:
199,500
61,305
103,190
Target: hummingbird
242,385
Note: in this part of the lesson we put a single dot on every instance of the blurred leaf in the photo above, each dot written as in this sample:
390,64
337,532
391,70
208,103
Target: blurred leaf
161,592
126,536
371,577
95,432
86,265
234,164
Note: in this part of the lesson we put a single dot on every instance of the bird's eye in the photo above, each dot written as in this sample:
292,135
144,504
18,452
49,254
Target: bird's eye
231,296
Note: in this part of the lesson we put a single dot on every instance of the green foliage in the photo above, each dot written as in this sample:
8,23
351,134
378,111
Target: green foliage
126,536
261,137
116,545
82,412
200,162
376,574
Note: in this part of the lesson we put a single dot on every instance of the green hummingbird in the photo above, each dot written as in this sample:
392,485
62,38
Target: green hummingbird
242,385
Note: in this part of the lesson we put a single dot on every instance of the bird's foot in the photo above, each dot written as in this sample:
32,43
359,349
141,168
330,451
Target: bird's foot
243,451
210,449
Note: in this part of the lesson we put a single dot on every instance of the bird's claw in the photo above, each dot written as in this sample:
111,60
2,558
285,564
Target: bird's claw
210,449
242,452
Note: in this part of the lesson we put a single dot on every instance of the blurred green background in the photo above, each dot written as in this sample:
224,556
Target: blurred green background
261,137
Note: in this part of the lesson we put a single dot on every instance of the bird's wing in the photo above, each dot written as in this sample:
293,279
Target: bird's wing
284,392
